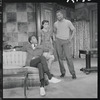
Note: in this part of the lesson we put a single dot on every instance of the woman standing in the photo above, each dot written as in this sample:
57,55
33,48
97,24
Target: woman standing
44,38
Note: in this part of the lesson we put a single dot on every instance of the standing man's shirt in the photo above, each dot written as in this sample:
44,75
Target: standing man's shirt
63,29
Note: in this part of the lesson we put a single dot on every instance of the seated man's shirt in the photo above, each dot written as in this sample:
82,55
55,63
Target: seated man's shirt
34,47
32,52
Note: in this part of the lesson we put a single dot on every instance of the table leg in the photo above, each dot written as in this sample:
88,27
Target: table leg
27,82
88,60
88,67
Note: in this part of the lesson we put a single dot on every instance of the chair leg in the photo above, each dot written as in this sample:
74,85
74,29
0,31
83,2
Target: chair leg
27,82
25,85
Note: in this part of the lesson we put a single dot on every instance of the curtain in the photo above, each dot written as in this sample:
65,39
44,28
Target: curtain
82,37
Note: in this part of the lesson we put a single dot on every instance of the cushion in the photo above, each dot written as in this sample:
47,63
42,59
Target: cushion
11,66
14,71
32,70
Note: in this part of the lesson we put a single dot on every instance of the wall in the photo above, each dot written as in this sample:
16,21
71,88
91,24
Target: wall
18,22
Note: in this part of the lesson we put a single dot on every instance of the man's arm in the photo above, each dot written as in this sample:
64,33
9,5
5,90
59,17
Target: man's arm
20,49
73,30
23,48
36,52
73,33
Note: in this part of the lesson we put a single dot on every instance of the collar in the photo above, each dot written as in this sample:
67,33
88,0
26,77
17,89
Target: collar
62,20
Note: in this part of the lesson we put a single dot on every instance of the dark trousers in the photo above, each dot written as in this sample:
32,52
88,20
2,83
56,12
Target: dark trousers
63,46
42,66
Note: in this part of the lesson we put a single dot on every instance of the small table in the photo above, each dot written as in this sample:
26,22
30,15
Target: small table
21,74
88,54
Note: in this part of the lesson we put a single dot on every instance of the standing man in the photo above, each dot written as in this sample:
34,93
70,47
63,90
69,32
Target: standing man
63,34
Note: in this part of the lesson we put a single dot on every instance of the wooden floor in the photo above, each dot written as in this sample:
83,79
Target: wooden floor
85,86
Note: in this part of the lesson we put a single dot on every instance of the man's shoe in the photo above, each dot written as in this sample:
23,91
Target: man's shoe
46,82
54,80
62,75
74,76
42,91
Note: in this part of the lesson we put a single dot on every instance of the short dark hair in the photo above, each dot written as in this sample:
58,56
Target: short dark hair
30,37
60,10
44,21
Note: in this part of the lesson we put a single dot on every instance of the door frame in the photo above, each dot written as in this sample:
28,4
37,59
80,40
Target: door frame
47,6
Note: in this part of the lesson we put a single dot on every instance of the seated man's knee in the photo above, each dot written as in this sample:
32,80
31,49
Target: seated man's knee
42,58
39,65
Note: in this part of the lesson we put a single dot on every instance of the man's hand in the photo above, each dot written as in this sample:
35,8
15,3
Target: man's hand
71,37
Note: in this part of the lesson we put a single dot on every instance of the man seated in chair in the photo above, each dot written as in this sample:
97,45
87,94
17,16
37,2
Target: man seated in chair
36,59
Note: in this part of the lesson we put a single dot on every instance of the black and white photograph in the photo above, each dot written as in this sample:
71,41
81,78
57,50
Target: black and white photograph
49,49
0,51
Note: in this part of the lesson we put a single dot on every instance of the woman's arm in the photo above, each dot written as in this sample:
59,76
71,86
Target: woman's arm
39,37
54,32
54,36
39,40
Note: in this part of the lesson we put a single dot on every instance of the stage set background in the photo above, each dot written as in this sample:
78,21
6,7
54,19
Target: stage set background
20,20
